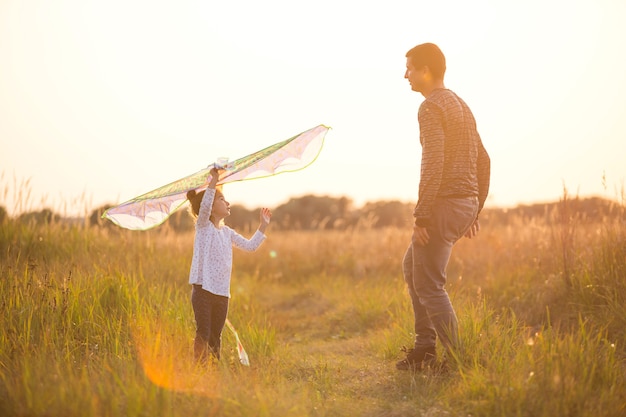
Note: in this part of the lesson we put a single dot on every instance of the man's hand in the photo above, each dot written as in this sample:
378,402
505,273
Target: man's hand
473,230
420,236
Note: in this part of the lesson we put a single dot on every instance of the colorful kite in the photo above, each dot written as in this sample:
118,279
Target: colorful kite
243,356
153,208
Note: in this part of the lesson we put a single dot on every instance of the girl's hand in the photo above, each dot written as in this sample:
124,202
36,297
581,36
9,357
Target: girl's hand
214,177
265,217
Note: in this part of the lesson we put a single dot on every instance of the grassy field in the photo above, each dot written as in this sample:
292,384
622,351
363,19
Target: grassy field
98,322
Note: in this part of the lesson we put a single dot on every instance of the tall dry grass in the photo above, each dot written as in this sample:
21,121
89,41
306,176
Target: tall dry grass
98,322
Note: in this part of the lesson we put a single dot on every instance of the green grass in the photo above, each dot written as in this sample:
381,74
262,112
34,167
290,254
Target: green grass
99,323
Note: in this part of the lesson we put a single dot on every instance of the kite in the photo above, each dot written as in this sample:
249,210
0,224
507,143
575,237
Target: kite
153,208
243,356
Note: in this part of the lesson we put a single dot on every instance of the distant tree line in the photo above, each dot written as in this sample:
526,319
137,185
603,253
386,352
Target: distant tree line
44,216
311,212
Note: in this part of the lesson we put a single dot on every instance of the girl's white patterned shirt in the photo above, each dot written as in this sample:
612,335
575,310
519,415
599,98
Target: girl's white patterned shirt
212,262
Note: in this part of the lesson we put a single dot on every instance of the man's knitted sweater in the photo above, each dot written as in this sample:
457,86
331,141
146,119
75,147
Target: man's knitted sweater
455,163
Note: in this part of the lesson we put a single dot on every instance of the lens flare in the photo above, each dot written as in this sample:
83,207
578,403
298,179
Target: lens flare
167,366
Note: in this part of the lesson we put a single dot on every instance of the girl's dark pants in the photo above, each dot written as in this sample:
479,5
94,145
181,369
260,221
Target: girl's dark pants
210,311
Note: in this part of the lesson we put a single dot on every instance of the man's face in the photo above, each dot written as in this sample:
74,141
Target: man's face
416,76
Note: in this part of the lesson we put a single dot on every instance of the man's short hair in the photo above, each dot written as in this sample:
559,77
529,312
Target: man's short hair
429,55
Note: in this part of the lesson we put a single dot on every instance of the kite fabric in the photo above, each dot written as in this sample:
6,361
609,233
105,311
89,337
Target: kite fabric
153,208
243,356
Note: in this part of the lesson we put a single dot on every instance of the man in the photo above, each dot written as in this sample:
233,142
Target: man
454,182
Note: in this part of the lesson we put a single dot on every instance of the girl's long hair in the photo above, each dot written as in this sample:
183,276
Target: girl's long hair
194,202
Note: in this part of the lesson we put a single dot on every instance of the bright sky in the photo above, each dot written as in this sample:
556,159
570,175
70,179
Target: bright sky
101,101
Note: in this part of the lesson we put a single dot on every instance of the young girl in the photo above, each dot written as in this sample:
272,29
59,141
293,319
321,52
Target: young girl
211,265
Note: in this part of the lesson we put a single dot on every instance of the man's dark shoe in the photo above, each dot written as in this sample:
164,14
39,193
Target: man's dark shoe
417,359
